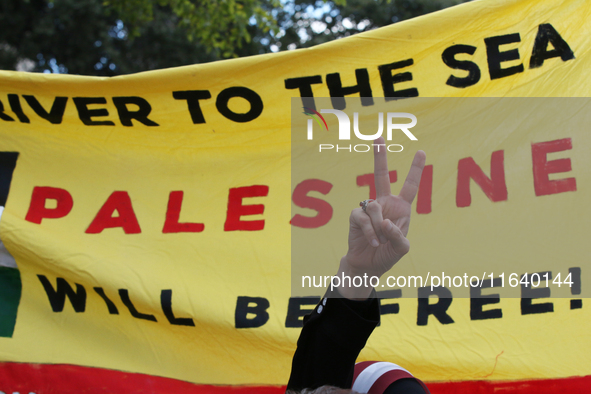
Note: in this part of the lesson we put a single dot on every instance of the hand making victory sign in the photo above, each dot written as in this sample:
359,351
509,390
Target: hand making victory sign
377,235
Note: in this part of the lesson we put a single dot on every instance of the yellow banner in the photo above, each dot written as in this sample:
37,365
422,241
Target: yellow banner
149,215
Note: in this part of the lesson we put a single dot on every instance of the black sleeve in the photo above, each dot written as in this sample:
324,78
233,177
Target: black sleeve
330,341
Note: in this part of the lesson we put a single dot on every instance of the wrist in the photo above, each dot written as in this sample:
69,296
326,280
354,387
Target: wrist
355,284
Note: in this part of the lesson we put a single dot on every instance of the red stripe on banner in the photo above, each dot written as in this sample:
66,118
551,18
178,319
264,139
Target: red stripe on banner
579,384
65,379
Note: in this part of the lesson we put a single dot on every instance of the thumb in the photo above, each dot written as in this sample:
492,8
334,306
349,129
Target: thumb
398,241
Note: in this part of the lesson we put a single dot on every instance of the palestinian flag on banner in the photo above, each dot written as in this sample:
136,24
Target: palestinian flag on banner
10,281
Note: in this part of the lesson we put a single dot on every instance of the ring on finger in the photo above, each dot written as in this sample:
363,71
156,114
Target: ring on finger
363,204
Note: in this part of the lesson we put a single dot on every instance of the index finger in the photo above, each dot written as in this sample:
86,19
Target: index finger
413,179
380,164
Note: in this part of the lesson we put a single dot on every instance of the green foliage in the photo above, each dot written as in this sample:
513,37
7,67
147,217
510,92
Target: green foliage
79,37
112,37
65,30
310,23
220,26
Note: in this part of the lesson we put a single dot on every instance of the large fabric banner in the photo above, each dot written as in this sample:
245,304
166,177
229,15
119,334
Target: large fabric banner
147,220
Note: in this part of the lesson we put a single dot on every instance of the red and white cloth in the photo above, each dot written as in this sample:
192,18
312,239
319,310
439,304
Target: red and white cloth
374,377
